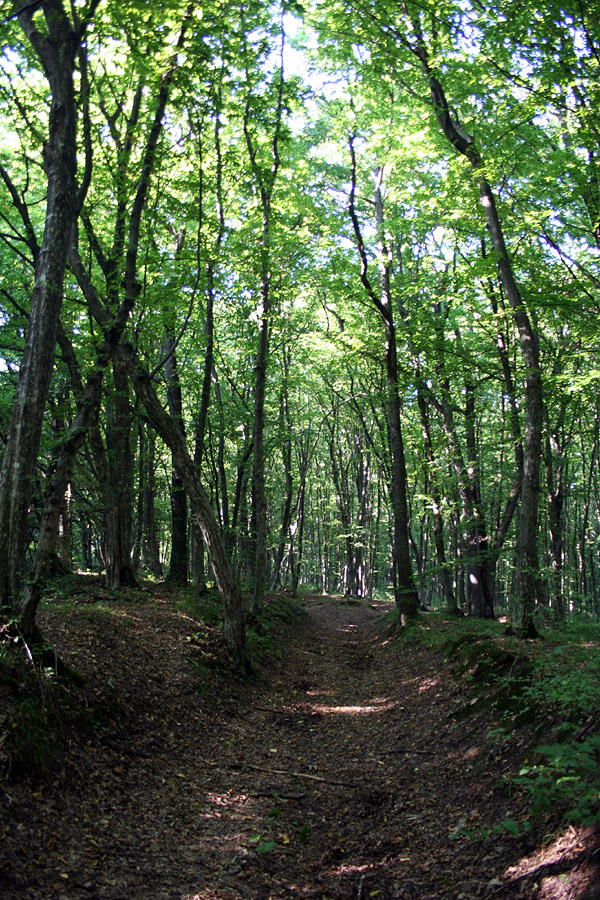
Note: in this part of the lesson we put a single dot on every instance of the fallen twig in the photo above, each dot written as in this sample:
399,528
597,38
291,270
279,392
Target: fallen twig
399,750
360,887
320,778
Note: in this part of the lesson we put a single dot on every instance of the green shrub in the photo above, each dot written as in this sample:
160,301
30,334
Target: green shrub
569,777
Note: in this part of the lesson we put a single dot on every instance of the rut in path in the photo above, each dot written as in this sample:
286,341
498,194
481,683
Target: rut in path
340,773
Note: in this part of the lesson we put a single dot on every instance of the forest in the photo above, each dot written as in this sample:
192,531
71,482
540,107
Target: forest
299,449
302,297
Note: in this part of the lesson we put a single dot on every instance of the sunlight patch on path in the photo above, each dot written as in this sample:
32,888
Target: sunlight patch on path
377,706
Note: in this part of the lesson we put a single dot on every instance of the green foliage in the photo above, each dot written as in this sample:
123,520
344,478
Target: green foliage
500,828
567,679
567,780
553,685
538,135
304,834
207,607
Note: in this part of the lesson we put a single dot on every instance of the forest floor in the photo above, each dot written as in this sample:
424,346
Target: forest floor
341,771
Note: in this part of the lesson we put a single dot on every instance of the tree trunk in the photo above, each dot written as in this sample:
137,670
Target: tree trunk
178,568
527,538
405,591
259,500
118,488
406,595
150,545
265,184
285,428
57,53
438,522
85,417
339,473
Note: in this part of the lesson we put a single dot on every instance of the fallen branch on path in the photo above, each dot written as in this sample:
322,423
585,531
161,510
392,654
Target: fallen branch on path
269,771
398,750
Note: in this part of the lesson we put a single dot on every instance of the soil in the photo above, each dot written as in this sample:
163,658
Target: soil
343,770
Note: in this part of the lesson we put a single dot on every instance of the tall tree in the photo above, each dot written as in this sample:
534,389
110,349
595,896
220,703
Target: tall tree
55,44
405,591
264,172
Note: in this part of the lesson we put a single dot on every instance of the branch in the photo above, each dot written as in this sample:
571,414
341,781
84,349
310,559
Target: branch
21,207
148,164
269,771
358,235
90,293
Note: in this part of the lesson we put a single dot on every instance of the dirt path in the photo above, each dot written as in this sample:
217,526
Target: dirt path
341,772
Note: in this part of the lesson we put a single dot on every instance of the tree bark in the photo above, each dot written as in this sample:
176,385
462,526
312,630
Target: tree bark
117,491
285,429
178,567
57,53
150,545
87,408
438,522
259,500
265,182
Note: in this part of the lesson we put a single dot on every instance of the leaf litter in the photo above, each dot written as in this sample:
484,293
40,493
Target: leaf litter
339,771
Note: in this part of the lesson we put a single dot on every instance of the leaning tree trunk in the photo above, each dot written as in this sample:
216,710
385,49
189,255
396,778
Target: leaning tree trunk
527,568
233,612
56,52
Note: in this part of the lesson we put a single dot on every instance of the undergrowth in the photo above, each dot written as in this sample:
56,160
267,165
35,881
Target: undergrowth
265,641
27,709
551,686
